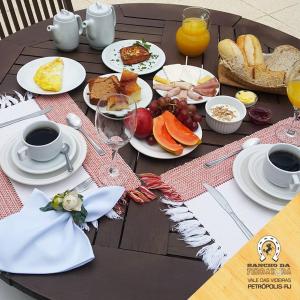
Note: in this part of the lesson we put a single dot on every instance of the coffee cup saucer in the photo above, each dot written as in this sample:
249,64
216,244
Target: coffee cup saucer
256,172
36,167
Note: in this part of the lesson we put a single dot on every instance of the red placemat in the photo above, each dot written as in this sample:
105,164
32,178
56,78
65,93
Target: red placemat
187,179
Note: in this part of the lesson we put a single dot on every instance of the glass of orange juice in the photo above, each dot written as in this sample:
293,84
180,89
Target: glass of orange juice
192,37
291,133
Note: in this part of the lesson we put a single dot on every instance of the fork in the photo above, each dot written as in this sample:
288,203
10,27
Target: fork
83,186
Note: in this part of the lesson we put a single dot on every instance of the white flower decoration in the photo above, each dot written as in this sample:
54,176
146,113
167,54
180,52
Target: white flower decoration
72,202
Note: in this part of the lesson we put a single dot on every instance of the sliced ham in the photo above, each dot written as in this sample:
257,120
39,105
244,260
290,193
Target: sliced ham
182,85
182,94
212,83
173,92
194,96
209,92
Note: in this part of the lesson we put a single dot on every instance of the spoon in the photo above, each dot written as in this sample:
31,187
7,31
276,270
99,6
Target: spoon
248,143
65,150
75,122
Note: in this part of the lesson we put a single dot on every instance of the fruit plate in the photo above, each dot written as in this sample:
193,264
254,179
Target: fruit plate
73,75
112,59
202,73
146,96
156,151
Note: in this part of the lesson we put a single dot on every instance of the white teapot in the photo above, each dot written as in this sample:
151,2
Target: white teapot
66,30
100,25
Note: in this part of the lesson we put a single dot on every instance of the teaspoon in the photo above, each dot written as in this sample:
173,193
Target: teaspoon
248,143
65,150
75,122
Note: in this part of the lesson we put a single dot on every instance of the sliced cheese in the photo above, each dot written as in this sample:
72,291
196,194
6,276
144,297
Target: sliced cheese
190,74
161,79
204,79
173,72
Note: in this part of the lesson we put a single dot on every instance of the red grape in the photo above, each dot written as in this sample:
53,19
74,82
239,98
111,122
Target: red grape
192,108
197,118
194,126
151,140
188,122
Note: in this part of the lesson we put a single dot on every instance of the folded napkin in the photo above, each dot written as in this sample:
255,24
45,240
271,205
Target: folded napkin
36,242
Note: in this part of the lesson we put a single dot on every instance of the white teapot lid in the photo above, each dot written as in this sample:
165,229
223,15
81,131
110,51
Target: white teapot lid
99,9
64,16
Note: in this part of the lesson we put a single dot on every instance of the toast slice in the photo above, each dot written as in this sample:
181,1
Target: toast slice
101,87
134,54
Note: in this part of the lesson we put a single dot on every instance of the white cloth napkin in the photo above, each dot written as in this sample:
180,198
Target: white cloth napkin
36,242
220,225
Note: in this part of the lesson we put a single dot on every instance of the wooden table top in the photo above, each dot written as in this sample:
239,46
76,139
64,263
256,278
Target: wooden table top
138,257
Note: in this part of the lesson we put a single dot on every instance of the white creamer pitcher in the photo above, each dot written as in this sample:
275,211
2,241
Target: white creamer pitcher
100,25
66,30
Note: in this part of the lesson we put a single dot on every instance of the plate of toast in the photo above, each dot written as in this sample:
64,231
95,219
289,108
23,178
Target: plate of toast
108,90
138,56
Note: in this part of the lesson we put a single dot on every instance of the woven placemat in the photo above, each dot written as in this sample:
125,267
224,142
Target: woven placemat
187,179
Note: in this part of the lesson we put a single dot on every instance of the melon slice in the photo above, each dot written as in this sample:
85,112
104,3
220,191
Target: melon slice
163,138
180,132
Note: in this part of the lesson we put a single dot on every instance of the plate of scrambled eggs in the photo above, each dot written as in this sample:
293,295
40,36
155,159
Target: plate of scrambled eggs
51,75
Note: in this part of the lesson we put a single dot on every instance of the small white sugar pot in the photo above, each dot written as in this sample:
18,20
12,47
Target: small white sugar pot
100,25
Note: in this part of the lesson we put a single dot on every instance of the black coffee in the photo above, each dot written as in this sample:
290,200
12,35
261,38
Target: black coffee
41,136
285,161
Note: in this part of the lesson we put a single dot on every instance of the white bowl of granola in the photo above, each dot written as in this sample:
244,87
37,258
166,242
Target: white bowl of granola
224,114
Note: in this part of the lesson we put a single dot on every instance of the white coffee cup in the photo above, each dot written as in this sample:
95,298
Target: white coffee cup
43,152
280,177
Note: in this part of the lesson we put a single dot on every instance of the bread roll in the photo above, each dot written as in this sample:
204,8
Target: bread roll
251,49
230,52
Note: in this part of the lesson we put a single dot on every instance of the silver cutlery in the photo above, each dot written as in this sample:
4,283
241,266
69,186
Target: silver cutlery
248,143
35,114
75,122
83,186
65,151
225,205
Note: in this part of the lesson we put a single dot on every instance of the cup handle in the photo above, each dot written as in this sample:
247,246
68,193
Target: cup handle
295,185
22,153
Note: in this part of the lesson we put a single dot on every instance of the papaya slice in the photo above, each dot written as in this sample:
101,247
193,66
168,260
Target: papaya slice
180,132
163,137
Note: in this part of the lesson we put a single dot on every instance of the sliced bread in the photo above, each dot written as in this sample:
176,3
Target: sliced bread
283,58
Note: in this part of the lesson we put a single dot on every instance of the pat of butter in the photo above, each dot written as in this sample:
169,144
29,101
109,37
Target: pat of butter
173,72
190,74
246,97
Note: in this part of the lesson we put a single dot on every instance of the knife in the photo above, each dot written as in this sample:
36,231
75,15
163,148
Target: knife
35,114
225,205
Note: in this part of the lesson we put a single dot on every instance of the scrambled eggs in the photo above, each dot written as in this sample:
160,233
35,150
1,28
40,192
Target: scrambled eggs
49,77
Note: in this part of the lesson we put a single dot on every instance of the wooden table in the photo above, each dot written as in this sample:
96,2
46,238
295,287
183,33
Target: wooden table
139,257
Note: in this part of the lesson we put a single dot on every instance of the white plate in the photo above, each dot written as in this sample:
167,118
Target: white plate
256,172
112,59
156,151
244,181
36,167
16,174
73,75
146,96
202,73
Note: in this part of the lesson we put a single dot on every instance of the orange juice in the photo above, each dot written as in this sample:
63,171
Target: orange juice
193,37
293,91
